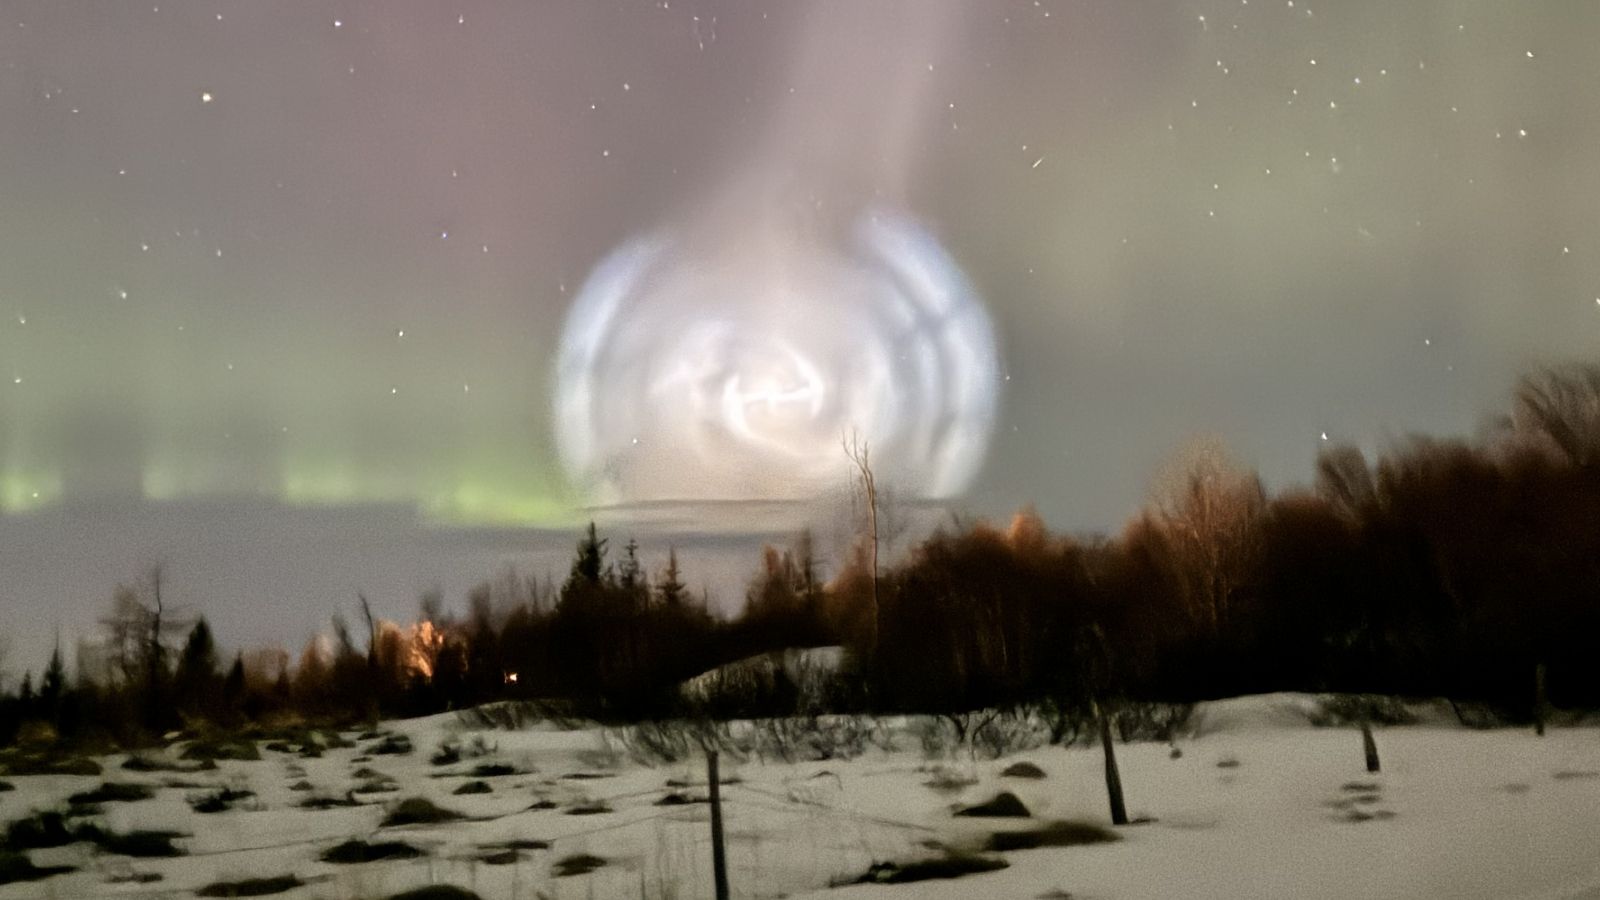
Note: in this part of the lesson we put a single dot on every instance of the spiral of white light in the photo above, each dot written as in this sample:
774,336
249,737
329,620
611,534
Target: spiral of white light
734,378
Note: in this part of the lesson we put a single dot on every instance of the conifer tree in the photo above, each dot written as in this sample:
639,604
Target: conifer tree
54,682
670,587
588,566
234,685
197,674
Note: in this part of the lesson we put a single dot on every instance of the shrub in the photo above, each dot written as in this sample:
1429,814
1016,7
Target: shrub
1348,709
936,736
949,781
576,864
436,892
589,808
679,798
144,763
1054,834
1005,805
1152,721
220,800
33,764
331,740
132,843
811,738
654,742
222,749
250,887
516,715
324,801
950,865
1008,732
675,740
1483,715
492,770
498,857
393,745
1023,770
37,832
452,751
1067,723
16,867
359,851
112,792
989,733
419,811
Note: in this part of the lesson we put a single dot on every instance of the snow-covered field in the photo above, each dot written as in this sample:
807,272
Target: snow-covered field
1259,804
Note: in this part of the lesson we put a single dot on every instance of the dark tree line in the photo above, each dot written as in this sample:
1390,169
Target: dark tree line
1446,568
1442,568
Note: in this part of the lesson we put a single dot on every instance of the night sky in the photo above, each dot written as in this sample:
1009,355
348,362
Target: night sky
293,294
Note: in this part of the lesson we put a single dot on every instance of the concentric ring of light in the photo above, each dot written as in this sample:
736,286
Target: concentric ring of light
734,377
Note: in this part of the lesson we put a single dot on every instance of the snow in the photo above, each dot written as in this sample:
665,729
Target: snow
1454,813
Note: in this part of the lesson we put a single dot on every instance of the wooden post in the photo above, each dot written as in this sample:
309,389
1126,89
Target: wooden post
1119,813
1368,745
719,861
1539,701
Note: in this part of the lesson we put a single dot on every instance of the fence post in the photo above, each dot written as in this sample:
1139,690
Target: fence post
1119,813
719,861
1540,703
1369,747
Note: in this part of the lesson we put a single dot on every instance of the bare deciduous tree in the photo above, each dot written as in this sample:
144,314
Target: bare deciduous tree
372,630
135,646
1210,512
1345,480
1560,407
860,456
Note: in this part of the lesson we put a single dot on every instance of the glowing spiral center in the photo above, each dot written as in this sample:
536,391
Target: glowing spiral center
735,377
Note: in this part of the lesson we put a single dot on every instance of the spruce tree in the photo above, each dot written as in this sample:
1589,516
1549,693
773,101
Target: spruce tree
670,587
197,669
233,686
54,681
630,575
588,566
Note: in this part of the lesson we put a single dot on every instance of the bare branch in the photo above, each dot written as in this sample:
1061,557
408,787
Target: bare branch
860,456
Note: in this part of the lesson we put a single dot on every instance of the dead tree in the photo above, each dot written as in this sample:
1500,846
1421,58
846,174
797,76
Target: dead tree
137,631
860,457
372,631
155,651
